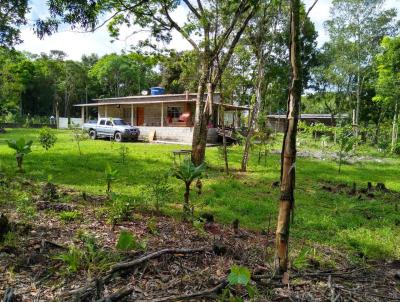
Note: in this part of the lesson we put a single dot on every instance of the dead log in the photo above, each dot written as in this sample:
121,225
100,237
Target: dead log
130,264
9,295
118,295
208,293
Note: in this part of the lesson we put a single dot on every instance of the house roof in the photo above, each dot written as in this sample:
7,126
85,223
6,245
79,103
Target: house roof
156,99
305,116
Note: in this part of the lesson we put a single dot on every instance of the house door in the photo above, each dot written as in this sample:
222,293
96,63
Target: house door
139,116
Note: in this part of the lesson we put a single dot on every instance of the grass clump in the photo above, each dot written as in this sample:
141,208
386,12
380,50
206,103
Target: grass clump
68,216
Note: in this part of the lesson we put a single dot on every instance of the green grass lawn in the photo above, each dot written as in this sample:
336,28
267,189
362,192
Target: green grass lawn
367,228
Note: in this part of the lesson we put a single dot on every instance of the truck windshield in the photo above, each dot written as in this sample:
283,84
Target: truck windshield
119,123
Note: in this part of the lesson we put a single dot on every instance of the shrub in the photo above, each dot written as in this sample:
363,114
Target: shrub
47,138
396,149
160,191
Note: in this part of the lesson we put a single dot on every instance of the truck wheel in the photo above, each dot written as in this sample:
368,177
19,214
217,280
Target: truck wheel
118,137
92,134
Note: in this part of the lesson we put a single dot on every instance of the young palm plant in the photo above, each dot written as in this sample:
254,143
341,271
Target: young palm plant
110,175
21,148
187,172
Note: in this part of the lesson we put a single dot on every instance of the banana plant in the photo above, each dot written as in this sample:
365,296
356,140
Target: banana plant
21,148
110,176
187,172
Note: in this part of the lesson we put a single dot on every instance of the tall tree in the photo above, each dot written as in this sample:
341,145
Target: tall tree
288,154
387,84
356,28
12,17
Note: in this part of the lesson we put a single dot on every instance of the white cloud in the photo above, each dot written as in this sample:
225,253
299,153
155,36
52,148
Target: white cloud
76,44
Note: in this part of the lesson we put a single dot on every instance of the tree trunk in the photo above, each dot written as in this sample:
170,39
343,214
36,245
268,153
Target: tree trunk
202,118
224,146
186,204
394,128
288,155
255,111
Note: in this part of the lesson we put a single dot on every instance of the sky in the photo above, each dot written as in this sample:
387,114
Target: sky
75,44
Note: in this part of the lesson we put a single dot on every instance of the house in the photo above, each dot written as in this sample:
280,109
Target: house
169,116
277,121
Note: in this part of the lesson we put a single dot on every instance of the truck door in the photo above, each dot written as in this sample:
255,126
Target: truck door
100,127
109,130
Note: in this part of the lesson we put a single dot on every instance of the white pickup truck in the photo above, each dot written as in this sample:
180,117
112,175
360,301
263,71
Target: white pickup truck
115,128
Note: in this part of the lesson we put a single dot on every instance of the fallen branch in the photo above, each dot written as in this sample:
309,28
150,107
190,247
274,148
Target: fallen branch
118,295
208,293
82,293
130,264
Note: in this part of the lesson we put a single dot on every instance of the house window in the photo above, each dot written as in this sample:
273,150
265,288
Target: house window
174,112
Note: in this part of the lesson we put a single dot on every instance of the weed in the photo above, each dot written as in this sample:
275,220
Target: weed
70,215
123,152
152,226
160,191
119,210
129,242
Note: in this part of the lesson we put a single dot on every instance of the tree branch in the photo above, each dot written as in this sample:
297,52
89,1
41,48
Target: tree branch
192,9
179,29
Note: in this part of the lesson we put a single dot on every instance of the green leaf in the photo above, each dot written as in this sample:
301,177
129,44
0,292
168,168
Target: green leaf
239,275
126,241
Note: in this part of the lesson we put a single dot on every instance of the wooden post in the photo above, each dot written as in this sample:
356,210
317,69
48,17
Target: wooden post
105,111
83,114
218,108
57,116
162,114
131,114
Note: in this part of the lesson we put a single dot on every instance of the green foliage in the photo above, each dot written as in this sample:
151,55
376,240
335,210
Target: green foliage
21,148
88,256
128,242
160,190
111,175
78,135
10,239
239,275
73,259
186,171
396,149
123,152
70,215
120,209
346,141
47,138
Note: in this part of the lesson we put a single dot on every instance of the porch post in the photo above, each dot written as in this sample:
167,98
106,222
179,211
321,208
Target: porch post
105,111
83,114
131,114
218,108
162,114
98,112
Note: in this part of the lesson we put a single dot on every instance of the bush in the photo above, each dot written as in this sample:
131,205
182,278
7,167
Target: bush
47,138
160,191
396,149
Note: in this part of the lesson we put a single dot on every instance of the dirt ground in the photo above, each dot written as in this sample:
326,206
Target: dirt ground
31,269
